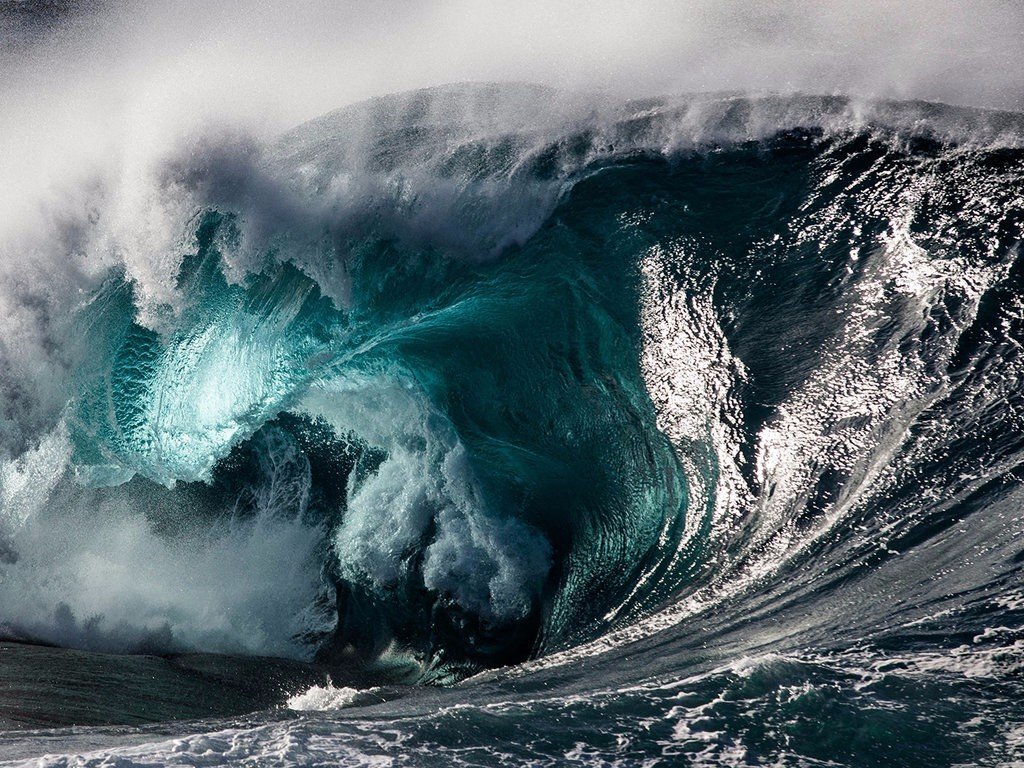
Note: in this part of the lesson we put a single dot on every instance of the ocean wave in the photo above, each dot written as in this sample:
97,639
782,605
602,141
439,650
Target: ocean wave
490,384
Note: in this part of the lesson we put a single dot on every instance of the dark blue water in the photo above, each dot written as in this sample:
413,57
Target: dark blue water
526,427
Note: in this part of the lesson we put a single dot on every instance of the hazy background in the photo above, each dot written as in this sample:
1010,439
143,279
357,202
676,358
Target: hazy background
95,84
300,58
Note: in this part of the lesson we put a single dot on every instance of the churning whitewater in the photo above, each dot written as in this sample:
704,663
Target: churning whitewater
492,424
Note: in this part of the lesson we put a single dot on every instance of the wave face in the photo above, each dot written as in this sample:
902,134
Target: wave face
703,414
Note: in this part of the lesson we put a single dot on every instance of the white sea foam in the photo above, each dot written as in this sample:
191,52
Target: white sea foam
91,570
323,698
491,565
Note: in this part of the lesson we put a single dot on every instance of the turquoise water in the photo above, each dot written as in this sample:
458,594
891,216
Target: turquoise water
557,429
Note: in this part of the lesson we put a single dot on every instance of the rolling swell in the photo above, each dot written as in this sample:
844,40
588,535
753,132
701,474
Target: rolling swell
729,382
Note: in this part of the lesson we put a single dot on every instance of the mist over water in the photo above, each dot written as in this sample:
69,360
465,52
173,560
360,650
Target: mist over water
433,381
101,92
84,80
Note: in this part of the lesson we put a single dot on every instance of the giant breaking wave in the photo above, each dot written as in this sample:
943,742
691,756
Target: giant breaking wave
463,377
